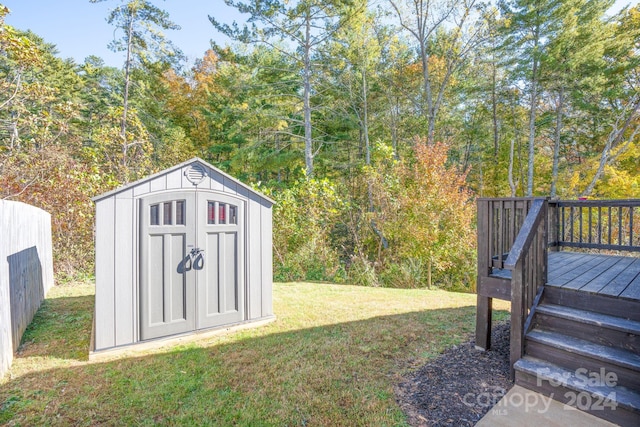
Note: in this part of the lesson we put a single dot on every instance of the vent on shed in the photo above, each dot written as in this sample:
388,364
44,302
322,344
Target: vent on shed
195,173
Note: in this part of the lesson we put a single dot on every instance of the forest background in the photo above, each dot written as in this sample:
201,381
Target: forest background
373,125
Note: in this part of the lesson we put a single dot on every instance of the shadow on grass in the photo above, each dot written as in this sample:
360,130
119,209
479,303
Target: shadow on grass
340,374
61,328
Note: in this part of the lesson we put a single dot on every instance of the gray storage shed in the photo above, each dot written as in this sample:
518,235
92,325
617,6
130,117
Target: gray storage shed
186,249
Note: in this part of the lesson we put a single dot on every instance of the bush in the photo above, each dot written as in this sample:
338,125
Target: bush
54,181
304,218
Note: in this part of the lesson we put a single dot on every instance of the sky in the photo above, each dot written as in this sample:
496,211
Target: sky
79,28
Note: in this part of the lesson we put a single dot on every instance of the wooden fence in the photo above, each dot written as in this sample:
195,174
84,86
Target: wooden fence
26,271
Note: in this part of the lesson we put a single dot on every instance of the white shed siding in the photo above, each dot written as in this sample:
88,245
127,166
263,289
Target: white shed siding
105,278
230,186
216,182
159,184
141,189
174,180
254,266
117,307
124,241
267,261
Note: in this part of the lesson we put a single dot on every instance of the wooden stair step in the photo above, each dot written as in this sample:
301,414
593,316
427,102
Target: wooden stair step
597,303
606,354
616,403
591,318
599,328
547,371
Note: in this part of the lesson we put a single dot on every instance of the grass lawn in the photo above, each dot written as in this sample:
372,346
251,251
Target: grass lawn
332,357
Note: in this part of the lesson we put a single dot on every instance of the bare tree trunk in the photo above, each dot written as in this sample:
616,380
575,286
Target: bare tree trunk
394,133
556,145
277,144
365,118
365,132
125,102
532,127
494,109
15,135
428,19
424,55
512,185
308,141
516,137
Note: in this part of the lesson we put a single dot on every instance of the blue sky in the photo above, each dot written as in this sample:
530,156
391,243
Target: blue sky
79,28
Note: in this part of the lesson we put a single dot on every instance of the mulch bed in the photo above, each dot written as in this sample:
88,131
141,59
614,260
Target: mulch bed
460,386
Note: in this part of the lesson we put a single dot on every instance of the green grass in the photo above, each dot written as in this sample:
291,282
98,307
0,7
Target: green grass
332,357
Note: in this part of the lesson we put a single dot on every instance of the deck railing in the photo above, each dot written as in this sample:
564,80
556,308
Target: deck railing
596,224
527,261
499,223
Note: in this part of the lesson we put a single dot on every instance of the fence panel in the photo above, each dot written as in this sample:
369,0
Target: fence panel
26,271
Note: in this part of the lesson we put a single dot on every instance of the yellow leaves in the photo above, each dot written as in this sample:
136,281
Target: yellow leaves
382,152
424,208
574,183
281,125
19,48
620,184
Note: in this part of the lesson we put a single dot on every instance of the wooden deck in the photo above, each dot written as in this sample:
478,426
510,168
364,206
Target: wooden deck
616,276
571,312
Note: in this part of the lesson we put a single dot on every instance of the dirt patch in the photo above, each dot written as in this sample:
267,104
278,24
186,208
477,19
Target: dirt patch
460,386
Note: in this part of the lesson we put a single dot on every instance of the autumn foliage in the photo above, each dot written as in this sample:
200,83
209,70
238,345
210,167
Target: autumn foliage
426,214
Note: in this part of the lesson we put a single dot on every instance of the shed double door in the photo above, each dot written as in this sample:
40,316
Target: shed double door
191,257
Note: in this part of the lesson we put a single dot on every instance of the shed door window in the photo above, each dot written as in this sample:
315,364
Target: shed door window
167,213
221,213
154,213
180,212
172,213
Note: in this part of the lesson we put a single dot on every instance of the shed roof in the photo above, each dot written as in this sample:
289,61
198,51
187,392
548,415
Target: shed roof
174,168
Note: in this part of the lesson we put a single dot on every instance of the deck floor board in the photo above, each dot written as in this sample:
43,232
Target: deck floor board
601,274
622,280
562,262
597,284
633,290
569,272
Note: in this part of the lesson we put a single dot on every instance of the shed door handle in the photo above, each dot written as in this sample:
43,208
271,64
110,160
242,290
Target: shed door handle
197,258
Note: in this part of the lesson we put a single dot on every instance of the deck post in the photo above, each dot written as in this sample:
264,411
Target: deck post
484,311
484,304
553,226
516,344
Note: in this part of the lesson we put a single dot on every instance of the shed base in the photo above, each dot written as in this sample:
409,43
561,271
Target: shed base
174,340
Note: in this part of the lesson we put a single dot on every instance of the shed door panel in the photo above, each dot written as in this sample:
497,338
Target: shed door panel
180,292
167,294
220,282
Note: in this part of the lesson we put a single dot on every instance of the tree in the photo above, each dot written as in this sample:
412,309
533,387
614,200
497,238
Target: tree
529,25
20,53
623,96
304,25
444,32
432,197
141,24
574,62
